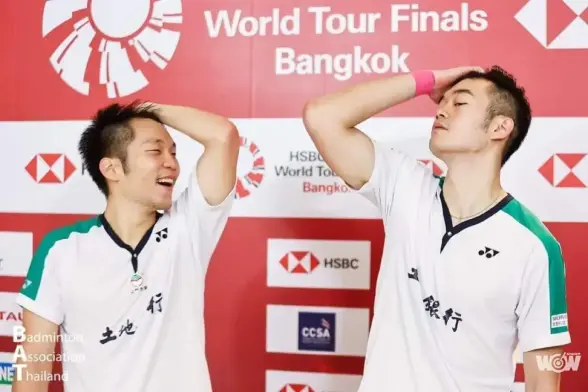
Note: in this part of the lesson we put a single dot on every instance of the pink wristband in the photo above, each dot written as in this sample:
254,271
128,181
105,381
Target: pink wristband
425,82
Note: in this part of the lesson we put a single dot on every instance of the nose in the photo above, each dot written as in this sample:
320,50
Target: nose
171,162
441,113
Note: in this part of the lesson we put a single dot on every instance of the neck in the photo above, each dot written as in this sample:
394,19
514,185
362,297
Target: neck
472,186
129,221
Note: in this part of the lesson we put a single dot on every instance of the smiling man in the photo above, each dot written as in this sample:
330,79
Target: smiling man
127,287
467,273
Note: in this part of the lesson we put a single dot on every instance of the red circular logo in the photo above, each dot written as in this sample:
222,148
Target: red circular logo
251,169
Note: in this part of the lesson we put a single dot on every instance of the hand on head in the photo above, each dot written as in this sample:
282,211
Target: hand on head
445,78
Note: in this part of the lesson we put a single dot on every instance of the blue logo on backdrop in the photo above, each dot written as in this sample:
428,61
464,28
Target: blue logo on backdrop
316,331
6,373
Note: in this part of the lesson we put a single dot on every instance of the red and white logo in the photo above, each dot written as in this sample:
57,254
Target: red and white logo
299,262
556,24
296,388
251,169
6,315
325,264
566,170
432,165
50,168
109,41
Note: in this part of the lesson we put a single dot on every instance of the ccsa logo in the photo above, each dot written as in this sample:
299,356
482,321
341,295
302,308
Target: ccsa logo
316,331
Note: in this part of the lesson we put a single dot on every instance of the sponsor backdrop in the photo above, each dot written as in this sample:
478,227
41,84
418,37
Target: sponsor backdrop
290,290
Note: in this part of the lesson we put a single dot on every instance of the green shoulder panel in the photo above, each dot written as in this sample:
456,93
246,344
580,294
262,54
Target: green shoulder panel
557,289
32,282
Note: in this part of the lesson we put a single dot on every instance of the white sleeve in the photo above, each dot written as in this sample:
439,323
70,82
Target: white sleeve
396,179
205,223
42,287
542,308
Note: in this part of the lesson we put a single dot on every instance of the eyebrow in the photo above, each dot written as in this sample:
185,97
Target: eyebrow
157,141
458,91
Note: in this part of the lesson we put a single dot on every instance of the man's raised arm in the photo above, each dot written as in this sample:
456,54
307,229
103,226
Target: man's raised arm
217,166
331,120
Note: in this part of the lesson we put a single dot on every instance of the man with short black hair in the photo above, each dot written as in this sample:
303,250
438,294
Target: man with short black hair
127,286
467,272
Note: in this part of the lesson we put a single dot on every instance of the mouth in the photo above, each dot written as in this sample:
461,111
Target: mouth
167,182
439,128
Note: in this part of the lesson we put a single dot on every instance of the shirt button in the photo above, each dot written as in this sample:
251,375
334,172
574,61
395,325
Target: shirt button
449,234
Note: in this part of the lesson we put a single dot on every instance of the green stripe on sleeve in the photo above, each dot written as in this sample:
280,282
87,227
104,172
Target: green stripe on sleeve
32,283
557,289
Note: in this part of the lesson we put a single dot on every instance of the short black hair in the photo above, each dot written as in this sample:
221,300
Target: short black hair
109,135
509,99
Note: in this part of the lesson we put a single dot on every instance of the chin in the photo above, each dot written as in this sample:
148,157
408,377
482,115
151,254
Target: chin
162,205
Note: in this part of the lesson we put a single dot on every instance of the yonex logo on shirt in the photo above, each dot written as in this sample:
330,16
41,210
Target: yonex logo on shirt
488,252
161,235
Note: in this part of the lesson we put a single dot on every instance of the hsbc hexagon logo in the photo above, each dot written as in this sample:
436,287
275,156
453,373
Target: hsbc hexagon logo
299,262
50,168
566,170
110,43
296,388
251,169
556,24
432,166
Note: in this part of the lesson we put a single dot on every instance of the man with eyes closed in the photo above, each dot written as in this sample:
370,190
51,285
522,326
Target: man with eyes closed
467,273
126,289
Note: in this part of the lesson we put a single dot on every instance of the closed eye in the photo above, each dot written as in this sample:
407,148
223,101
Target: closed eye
157,151
460,103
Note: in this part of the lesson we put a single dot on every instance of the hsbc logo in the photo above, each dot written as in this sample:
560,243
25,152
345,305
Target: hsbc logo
556,24
50,168
291,381
296,388
566,170
330,264
432,165
297,262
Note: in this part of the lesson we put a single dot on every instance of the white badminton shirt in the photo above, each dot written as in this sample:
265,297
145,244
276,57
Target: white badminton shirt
119,337
452,303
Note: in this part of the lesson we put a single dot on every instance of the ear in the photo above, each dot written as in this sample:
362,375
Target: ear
501,127
111,169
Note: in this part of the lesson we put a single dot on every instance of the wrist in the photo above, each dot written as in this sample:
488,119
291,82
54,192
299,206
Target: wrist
424,82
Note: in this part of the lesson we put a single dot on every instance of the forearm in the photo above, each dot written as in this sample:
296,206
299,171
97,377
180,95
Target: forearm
351,106
542,387
204,127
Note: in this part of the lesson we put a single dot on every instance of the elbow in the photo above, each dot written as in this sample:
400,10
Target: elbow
229,139
226,134
320,117
313,116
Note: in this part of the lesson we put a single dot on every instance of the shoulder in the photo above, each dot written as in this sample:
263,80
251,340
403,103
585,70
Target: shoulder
533,230
63,237
56,250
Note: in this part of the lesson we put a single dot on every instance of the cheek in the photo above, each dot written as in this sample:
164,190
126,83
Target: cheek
467,123
143,170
